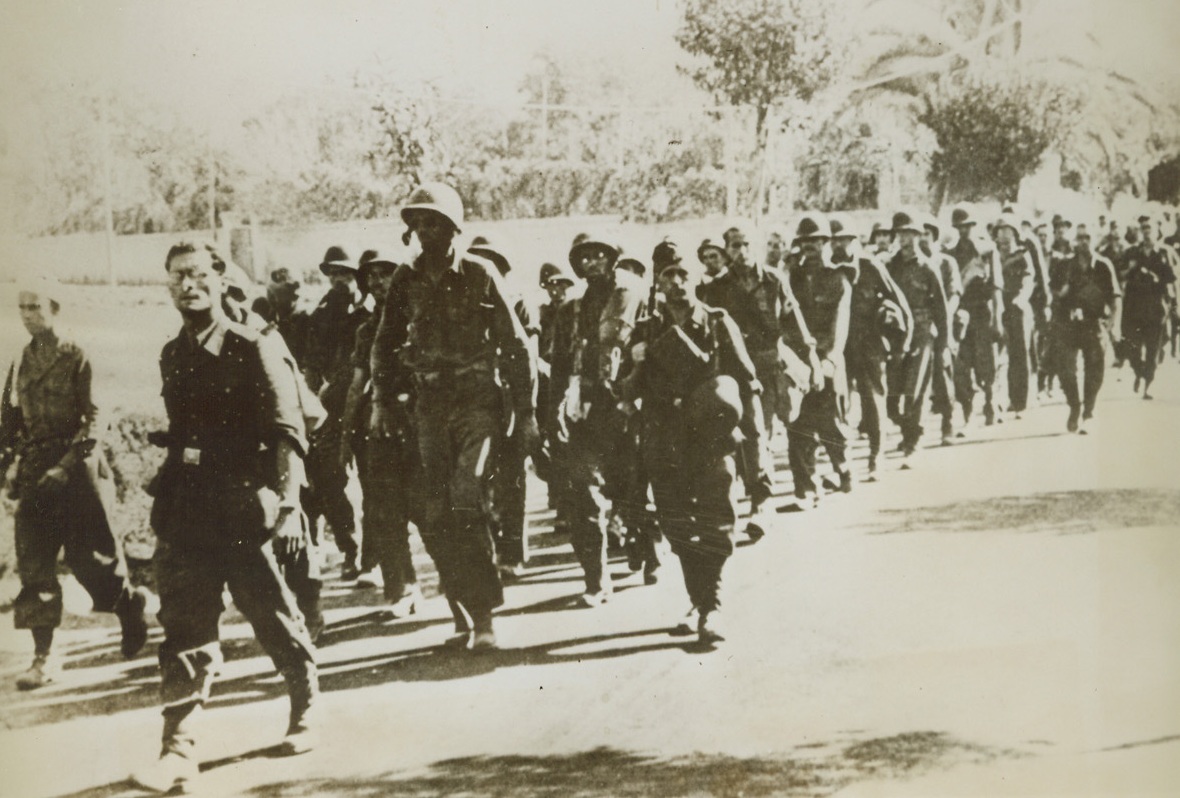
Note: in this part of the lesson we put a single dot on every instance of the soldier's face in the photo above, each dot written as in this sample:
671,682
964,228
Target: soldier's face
342,280
676,284
595,263
1082,239
1147,231
842,246
1006,238
713,261
435,232
557,289
737,248
1061,232
907,239
195,285
35,312
882,241
774,250
379,280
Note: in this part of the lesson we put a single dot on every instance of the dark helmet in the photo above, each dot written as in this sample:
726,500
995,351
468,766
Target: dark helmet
961,217
551,272
1008,220
437,197
812,225
665,254
841,226
930,222
589,244
903,221
633,265
370,259
336,258
713,410
1061,221
880,228
484,248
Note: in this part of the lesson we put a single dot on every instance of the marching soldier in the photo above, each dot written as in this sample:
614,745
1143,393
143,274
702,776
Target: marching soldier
1020,281
1149,295
557,282
331,338
1089,303
942,373
447,329
590,339
1049,355
910,374
388,467
824,292
231,481
879,324
50,424
978,322
782,349
696,383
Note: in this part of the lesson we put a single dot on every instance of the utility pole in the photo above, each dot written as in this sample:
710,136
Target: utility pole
108,213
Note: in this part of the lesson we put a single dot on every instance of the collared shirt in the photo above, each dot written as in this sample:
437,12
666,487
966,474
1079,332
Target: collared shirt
230,394
461,321
48,399
763,308
919,280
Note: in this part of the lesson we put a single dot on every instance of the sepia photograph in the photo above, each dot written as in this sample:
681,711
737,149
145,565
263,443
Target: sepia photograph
557,399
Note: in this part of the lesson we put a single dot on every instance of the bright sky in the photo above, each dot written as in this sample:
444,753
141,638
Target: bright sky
227,57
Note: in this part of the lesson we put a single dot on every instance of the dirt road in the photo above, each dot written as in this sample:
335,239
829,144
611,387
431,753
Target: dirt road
999,621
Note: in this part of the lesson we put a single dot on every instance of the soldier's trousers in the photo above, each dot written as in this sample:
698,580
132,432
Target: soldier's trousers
390,475
942,380
190,581
909,378
975,366
460,424
326,495
756,459
821,421
1143,343
595,445
1046,341
508,499
696,506
1018,332
1088,340
868,376
69,517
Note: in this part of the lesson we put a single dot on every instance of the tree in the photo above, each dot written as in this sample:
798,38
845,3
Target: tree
992,131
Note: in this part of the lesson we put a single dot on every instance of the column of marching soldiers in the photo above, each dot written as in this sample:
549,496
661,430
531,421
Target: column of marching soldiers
646,391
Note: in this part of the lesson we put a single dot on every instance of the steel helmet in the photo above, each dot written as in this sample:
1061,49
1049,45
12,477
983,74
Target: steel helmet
812,225
587,245
437,197
842,226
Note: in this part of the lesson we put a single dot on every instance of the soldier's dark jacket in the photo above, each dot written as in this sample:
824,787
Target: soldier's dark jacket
49,416
1089,287
764,310
1149,273
331,339
979,274
588,329
918,279
443,329
1019,277
819,290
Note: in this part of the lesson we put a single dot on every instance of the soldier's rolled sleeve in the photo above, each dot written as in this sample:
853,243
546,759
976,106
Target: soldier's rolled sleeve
283,409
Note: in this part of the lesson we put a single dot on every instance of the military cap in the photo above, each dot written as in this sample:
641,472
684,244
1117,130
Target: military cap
1008,220
903,221
371,259
665,254
334,258
551,273
483,247
708,244
930,222
1061,221
880,227
812,225
587,246
961,217
437,197
841,225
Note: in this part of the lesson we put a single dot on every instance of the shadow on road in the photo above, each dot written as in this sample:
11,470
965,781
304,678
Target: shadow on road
1060,512
820,770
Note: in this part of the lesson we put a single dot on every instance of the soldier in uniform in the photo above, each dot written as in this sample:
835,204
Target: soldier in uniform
978,322
589,343
508,484
388,467
1020,281
557,282
446,331
712,256
783,351
49,421
824,292
1049,355
328,368
1088,303
230,482
879,324
695,382
776,250
1149,295
942,374
909,376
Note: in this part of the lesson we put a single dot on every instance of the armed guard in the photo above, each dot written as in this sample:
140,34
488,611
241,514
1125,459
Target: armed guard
50,424
1020,282
942,373
1149,296
910,374
446,331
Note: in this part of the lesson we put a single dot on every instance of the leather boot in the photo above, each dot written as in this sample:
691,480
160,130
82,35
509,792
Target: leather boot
177,767
303,727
